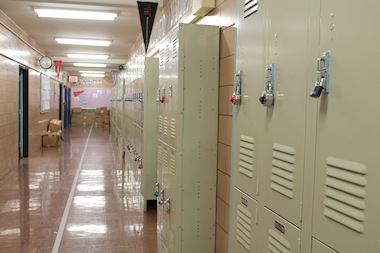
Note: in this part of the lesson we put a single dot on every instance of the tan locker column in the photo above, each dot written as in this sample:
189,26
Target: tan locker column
285,120
188,114
346,194
148,107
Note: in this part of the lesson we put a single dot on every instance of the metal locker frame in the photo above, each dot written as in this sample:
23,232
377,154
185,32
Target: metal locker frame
189,114
318,247
277,234
244,229
346,199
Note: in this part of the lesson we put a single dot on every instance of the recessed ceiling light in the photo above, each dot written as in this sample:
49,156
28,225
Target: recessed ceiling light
88,56
73,14
92,75
91,72
101,43
93,65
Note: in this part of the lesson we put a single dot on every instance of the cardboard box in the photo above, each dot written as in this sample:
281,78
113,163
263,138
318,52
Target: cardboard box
50,139
76,110
55,125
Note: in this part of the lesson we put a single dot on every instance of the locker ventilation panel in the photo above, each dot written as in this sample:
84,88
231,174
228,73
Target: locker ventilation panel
175,48
172,128
250,7
166,123
345,193
172,163
277,243
283,170
171,242
160,124
247,147
165,160
167,52
162,56
243,227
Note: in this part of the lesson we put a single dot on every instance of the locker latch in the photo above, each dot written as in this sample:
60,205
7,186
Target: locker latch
236,95
161,197
162,96
156,193
167,205
267,97
323,74
158,95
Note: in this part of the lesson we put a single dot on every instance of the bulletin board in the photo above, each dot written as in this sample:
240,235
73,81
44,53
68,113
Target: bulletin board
45,94
91,98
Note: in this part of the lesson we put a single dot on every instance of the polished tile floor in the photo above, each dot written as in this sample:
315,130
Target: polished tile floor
78,197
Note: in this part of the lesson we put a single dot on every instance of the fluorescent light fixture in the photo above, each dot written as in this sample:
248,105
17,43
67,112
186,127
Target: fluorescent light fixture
93,65
101,43
88,56
74,14
92,75
91,72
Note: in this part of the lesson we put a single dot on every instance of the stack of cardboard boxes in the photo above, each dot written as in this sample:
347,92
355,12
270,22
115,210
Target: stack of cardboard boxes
76,116
98,116
53,134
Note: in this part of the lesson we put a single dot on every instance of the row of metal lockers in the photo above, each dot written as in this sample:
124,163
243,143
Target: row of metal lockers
304,169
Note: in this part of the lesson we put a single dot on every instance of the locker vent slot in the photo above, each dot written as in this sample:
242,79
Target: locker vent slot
250,7
167,52
159,155
345,193
283,170
165,161
172,128
175,48
160,122
172,164
277,243
247,147
162,56
243,228
166,123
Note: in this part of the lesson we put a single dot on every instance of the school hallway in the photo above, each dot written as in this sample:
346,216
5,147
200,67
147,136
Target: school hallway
75,198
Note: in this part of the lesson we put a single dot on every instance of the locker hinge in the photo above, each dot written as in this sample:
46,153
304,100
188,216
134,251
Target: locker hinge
301,207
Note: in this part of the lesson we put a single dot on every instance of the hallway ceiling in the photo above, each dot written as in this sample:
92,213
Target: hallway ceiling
123,31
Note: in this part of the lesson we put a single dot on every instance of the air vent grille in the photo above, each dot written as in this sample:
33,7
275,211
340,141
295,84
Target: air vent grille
172,163
166,125
283,170
250,7
345,193
167,52
277,243
172,128
247,146
243,228
160,124
175,47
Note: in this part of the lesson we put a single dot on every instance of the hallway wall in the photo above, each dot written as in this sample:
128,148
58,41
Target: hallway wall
15,51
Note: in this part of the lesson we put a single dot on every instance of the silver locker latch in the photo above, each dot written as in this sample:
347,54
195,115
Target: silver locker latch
161,197
167,205
323,74
158,95
267,97
156,192
236,96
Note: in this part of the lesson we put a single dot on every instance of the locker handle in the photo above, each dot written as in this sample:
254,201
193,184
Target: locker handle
322,83
236,95
267,97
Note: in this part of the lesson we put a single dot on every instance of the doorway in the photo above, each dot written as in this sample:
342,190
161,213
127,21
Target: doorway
23,112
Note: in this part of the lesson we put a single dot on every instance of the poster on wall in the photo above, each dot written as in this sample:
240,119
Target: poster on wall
91,98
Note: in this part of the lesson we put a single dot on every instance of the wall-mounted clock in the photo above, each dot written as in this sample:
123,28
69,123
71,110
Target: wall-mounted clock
46,62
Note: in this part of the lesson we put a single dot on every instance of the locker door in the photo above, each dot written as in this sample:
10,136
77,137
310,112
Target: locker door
244,223
248,114
278,235
318,247
346,194
285,120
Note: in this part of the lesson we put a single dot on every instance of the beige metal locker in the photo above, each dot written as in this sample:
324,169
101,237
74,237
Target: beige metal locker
284,128
249,113
318,247
188,117
244,231
147,105
346,193
277,234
